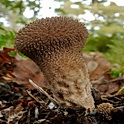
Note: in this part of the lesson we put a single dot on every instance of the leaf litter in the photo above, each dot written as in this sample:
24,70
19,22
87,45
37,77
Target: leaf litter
30,102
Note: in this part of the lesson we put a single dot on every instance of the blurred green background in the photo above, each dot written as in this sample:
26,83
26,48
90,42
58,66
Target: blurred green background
104,20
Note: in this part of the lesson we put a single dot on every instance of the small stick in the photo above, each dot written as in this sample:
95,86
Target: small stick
32,96
28,119
43,91
36,112
36,99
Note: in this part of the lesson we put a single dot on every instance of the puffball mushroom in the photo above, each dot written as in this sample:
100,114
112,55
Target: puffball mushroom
55,45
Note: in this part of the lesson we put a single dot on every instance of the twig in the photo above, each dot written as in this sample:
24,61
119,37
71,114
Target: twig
119,80
32,96
28,119
43,91
43,105
36,112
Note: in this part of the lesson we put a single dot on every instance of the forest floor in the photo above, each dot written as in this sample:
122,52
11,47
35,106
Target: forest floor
21,102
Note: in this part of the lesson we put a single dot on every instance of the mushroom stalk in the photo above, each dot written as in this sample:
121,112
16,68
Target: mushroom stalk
55,45
69,79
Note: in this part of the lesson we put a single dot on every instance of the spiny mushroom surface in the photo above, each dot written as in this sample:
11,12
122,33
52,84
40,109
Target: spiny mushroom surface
55,45
105,110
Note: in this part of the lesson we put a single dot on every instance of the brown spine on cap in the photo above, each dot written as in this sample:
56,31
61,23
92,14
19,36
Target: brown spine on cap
55,44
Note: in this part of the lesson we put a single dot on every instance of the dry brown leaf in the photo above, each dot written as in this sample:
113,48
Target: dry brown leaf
25,70
97,65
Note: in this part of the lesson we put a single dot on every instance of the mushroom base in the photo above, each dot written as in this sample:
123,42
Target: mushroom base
69,81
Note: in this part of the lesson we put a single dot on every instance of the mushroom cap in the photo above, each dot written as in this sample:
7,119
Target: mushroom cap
50,35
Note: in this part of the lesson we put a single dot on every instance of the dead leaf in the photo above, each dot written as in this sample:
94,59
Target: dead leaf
97,64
